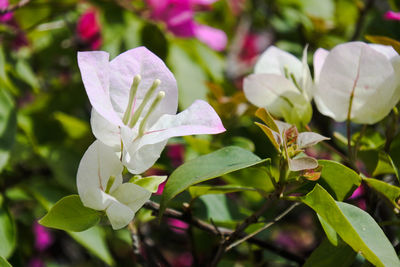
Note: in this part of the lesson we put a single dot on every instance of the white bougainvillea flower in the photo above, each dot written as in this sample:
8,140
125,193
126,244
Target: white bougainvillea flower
100,186
367,76
282,84
135,99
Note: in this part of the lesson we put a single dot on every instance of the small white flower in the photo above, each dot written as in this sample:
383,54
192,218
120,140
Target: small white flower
100,187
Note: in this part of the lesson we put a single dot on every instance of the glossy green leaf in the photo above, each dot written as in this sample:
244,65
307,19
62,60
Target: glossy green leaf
390,192
206,167
338,179
94,240
150,183
200,190
356,227
4,262
7,232
328,255
385,165
69,214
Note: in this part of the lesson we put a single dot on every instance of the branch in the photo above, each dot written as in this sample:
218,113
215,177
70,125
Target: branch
280,216
12,8
218,231
361,19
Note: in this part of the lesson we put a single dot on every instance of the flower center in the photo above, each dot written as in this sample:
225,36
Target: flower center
131,116
109,184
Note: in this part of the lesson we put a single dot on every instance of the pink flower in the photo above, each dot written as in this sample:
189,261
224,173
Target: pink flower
177,226
7,19
391,15
178,15
43,237
36,262
88,29
7,16
175,152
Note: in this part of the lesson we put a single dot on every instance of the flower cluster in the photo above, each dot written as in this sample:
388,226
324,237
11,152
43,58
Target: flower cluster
134,99
178,16
354,81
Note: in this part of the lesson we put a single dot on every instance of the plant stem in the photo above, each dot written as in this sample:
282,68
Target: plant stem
218,231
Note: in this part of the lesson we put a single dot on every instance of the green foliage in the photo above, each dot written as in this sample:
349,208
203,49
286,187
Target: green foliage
150,183
69,214
206,167
329,255
388,191
200,190
338,179
7,231
8,125
94,240
356,227
4,262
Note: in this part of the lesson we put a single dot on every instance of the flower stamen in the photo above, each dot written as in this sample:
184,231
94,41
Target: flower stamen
146,99
109,184
153,106
132,95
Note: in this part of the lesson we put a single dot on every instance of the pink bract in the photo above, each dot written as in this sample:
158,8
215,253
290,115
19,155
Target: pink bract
178,15
391,15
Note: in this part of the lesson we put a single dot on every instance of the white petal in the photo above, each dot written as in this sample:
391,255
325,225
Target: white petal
307,139
142,61
97,165
306,79
95,70
132,195
95,198
139,160
275,60
356,65
105,131
386,50
319,59
119,215
270,91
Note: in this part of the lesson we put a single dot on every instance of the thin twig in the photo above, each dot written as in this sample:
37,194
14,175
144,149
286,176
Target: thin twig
12,8
361,19
171,213
280,216
135,242
238,233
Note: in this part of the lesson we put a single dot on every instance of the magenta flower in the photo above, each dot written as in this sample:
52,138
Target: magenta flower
7,16
43,237
88,29
177,226
178,15
391,15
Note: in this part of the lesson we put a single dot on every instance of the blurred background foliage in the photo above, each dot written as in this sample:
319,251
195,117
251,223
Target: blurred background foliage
44,116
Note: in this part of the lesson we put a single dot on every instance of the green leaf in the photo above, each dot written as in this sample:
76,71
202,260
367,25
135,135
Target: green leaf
4,262
69,214
328,255
356,227
74,127
150,183
94,240
218,209
200,190
385,165
338,179
189,75
206,167
8,126
25,73
7,232
390,192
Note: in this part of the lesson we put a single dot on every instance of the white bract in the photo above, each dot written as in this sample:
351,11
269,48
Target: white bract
367,77
282,84
135,99
100,186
